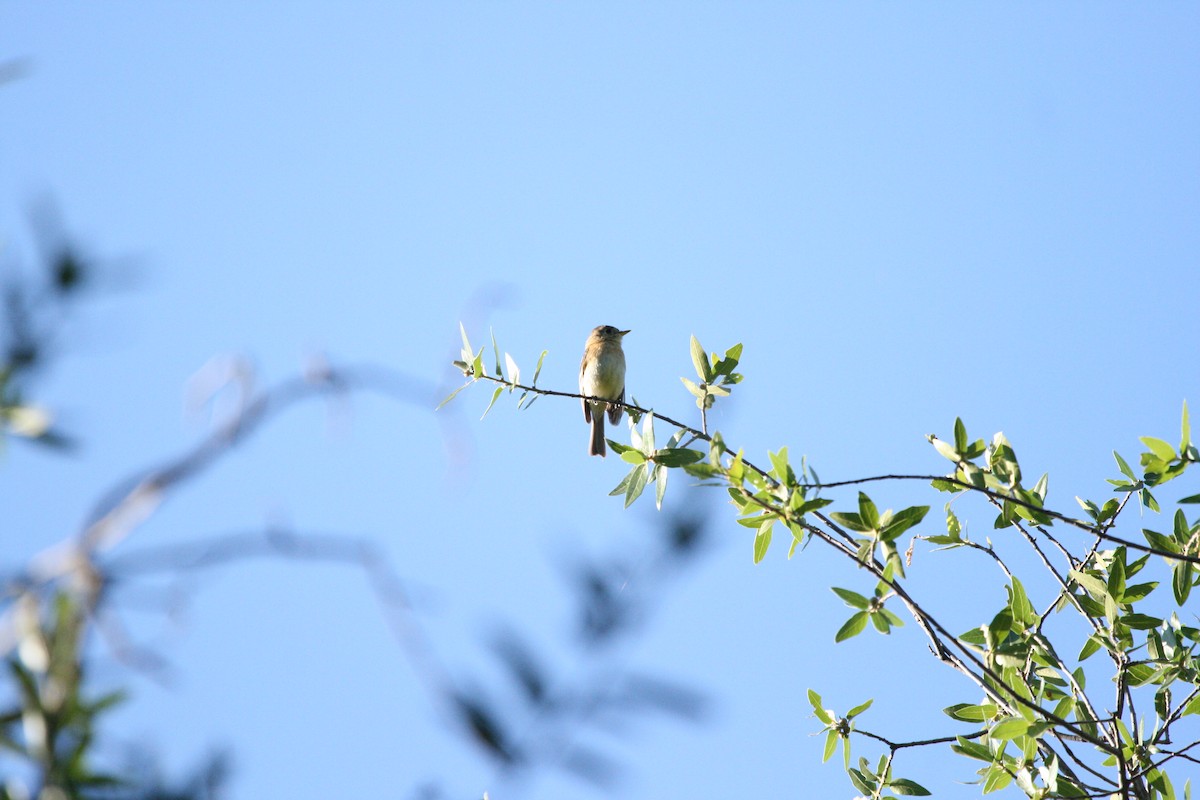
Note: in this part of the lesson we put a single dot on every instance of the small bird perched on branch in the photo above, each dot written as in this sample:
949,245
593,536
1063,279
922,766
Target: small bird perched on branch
602,374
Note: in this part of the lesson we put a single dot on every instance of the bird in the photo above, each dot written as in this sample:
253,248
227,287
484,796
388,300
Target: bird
602,374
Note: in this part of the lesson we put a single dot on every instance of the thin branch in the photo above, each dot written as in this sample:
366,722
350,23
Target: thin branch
1102,532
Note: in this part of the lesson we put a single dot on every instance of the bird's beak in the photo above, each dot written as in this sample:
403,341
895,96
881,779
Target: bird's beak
625,332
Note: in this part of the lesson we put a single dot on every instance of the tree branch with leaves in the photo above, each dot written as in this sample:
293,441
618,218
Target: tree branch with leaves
1037,722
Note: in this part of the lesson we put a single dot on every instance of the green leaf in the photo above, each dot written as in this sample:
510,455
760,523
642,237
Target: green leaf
965,712
495,394
960,435
852,627
538,370
467,349
945,450
700,361
1009,728
678,457
1141,622
779,464
477,370
902,521
453,395
1182,580
852,521
637,483
692,387
762,540
831,740
852,599
1116,575
972,749
496,350
1185,438
867,511
1159,448
818,705
1124,467
858,709
909,788
660,480
633,456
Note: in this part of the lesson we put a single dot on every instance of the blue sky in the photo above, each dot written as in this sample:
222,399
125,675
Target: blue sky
905,213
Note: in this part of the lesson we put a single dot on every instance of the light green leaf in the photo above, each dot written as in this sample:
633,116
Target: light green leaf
496,351
818,705
867,511
633,456
692,387
852,627
762,540
467,349
637,483
495,394
1185,439
831,740
1159,448
538,370
514,372
858,709
966,712
660,479
944,449
453,395
1009,728
700,361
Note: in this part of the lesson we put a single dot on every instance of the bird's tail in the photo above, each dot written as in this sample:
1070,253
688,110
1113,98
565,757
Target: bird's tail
597,447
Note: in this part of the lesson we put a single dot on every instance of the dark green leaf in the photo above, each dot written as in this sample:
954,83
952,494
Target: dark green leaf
1141,622
902,521
852,521
678,457
852,599
1182,580
909,788
1124,467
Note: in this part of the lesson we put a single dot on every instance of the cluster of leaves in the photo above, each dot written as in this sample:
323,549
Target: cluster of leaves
1043,731
51,724
506,374
34,308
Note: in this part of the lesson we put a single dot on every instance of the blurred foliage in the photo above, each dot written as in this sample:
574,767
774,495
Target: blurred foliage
54,720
